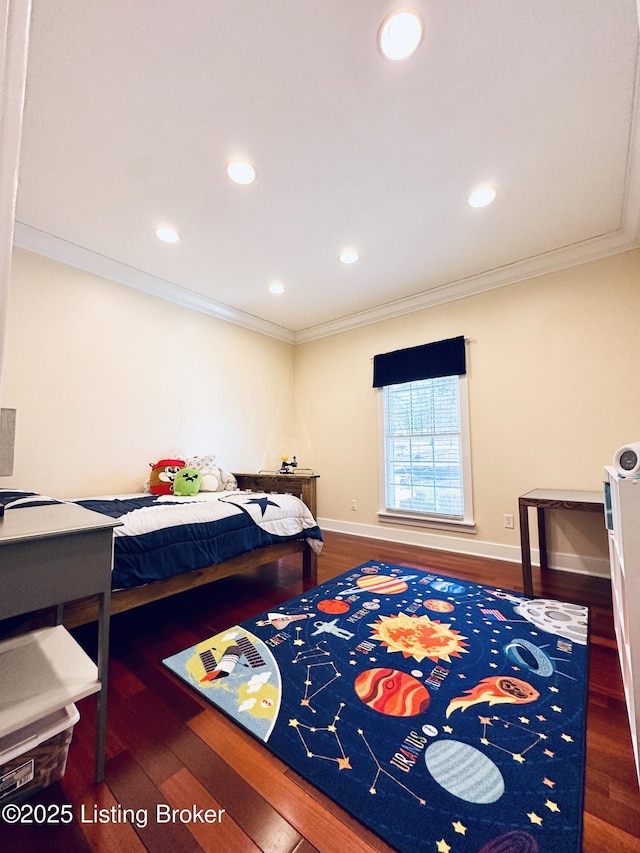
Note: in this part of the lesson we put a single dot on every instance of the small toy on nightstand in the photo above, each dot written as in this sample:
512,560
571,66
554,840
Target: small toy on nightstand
287,467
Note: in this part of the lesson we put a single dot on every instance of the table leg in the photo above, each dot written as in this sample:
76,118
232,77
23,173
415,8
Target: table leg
103,668
525,548
309,567
542,539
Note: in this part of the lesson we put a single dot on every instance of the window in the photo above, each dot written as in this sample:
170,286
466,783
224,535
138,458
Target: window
425,452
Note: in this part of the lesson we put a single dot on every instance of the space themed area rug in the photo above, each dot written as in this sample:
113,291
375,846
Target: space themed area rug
442,714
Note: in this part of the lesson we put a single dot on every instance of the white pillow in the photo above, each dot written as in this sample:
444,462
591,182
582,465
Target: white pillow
210,483
214,478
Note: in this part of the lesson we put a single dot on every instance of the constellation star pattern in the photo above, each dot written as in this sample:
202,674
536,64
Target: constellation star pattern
488,724
341,760
314,652
311,690
381,771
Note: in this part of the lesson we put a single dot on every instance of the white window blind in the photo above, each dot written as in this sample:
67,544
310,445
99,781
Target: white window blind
423,448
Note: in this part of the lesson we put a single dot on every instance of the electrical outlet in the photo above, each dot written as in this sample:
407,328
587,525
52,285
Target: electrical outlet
508,521
354,505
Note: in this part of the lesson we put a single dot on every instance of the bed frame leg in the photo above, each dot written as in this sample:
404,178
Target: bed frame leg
309,567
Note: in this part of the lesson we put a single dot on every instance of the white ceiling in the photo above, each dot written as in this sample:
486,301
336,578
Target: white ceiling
133,109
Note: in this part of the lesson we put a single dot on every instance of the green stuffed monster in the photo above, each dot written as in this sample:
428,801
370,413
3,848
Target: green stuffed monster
187,482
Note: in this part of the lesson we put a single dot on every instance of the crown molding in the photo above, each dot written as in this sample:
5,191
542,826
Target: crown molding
558,259
625,238
50,246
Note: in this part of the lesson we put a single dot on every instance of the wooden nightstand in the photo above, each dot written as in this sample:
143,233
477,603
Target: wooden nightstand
303,486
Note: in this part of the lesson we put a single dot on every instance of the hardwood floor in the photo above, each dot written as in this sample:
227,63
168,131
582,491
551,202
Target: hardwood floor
166,745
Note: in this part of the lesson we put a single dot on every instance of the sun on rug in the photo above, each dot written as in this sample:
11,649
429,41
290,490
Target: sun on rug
444,715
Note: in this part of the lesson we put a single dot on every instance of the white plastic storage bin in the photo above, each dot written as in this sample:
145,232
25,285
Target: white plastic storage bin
35,756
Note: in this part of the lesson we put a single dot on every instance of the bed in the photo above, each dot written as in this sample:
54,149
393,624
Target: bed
166,544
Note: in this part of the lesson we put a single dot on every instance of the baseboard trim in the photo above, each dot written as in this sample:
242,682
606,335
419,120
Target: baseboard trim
576,563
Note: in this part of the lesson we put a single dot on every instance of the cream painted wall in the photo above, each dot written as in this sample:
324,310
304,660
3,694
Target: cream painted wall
106,379
553,394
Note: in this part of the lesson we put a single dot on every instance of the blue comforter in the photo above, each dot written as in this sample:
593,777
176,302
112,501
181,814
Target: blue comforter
162,535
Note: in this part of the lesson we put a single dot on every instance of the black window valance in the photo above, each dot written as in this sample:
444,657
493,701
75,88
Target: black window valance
441,358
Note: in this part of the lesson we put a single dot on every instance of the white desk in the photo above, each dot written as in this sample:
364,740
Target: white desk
50,555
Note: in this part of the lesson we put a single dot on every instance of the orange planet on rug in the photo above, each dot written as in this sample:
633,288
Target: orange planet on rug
392,692
439,606
333,605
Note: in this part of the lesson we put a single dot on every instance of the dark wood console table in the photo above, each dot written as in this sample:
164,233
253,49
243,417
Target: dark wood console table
543,499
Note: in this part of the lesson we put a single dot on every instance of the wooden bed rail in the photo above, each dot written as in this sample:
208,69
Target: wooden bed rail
86,609
302,486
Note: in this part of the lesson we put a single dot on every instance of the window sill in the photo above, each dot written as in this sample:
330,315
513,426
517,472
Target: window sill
455,525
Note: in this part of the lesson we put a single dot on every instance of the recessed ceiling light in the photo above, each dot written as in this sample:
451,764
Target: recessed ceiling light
348,256
481,197
276,287
241,172
400,34
167,234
